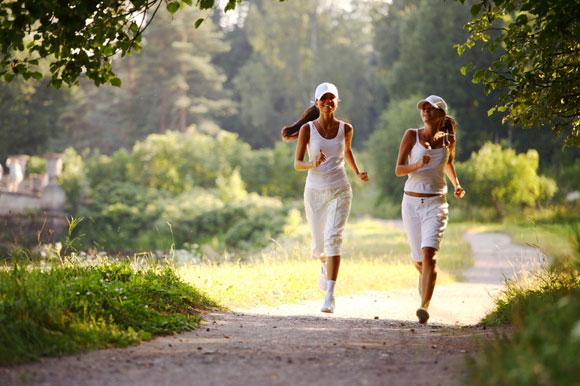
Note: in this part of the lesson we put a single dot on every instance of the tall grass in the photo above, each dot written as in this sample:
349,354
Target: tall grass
69,307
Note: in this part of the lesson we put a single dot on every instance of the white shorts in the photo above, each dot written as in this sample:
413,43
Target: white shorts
327,211
425,220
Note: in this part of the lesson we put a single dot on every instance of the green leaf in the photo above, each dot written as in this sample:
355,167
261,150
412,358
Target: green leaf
36,75
115,82
465,68
205,4
188,2
475,9
198,22
491,111
8,77
173,7
231,5
134,28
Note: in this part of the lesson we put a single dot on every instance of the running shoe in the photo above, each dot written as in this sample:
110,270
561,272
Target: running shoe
423,315
328,305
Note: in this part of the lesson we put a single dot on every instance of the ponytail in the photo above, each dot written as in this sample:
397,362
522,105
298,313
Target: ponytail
449,127
290,133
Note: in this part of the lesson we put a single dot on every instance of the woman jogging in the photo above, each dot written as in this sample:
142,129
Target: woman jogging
426,155
327,193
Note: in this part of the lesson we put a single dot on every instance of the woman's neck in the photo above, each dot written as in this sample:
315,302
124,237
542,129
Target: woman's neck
326,120
429,129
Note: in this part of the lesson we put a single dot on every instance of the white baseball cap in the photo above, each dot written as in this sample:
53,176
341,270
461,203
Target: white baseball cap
435,101
325,88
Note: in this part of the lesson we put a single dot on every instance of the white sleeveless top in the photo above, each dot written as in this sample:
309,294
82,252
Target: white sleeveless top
429,178
331,173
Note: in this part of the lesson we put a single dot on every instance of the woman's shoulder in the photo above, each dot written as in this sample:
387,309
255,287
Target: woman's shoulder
347,126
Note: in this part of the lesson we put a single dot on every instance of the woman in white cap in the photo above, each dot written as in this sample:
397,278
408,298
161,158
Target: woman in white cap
426,155
327,193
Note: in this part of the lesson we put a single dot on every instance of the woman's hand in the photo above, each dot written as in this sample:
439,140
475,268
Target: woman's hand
459,191
363,176
426,159
319,159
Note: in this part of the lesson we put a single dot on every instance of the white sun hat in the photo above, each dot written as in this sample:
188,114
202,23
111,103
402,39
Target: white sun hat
324,88
435,101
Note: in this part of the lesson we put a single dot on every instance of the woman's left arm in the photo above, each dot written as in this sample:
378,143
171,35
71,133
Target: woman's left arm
452,175
349,155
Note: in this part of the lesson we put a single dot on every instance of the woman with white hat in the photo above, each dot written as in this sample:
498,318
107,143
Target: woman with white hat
327,193
426,155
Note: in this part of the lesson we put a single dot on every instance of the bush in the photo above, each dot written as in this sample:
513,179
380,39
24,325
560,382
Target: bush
499,178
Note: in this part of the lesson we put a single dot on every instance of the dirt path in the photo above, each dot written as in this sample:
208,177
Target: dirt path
372,339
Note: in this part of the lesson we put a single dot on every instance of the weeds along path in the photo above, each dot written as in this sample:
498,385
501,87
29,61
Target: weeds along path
372,339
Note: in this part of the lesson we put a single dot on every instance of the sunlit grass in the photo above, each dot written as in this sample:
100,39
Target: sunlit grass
375,257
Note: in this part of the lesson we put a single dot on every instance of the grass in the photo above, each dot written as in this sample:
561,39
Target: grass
375,257
55,307
544,313
71,308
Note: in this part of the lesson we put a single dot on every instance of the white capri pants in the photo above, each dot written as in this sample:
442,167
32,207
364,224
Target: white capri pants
425,220
327,211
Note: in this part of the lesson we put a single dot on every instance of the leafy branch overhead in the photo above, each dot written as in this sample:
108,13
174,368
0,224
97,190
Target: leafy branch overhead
77,37
537,67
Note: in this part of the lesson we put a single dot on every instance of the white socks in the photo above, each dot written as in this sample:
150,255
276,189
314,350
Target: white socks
330,288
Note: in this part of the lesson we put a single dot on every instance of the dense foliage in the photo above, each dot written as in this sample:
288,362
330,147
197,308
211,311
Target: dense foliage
78,37
178,190
537,71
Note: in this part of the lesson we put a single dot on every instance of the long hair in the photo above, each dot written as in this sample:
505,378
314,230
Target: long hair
290,133
449,127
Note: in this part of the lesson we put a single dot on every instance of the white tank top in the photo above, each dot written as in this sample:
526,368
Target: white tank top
429,178
331,173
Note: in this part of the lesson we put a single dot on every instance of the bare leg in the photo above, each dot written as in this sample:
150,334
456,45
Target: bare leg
428,275
332,265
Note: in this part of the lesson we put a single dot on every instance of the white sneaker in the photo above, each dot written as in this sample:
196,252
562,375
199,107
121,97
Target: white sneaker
322,278
328,305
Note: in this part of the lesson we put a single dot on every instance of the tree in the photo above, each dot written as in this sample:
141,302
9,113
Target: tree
538,70
29,114
77,37
415,43
169,85
383,145
277,82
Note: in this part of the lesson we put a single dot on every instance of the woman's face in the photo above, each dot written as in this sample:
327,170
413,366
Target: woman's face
430,114
327,103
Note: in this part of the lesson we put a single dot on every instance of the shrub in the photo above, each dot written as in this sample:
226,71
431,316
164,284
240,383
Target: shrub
500,178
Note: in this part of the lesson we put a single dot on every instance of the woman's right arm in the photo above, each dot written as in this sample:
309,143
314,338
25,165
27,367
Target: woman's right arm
407,143
299,163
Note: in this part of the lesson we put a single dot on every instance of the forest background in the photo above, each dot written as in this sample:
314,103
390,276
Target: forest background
186,154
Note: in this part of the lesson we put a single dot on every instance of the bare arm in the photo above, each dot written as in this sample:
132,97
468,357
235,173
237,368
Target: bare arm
349,155
303,139
452,175
407,143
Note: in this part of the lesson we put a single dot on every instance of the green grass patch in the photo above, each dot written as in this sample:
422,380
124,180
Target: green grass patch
545,344
375,257
543,311
70,307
